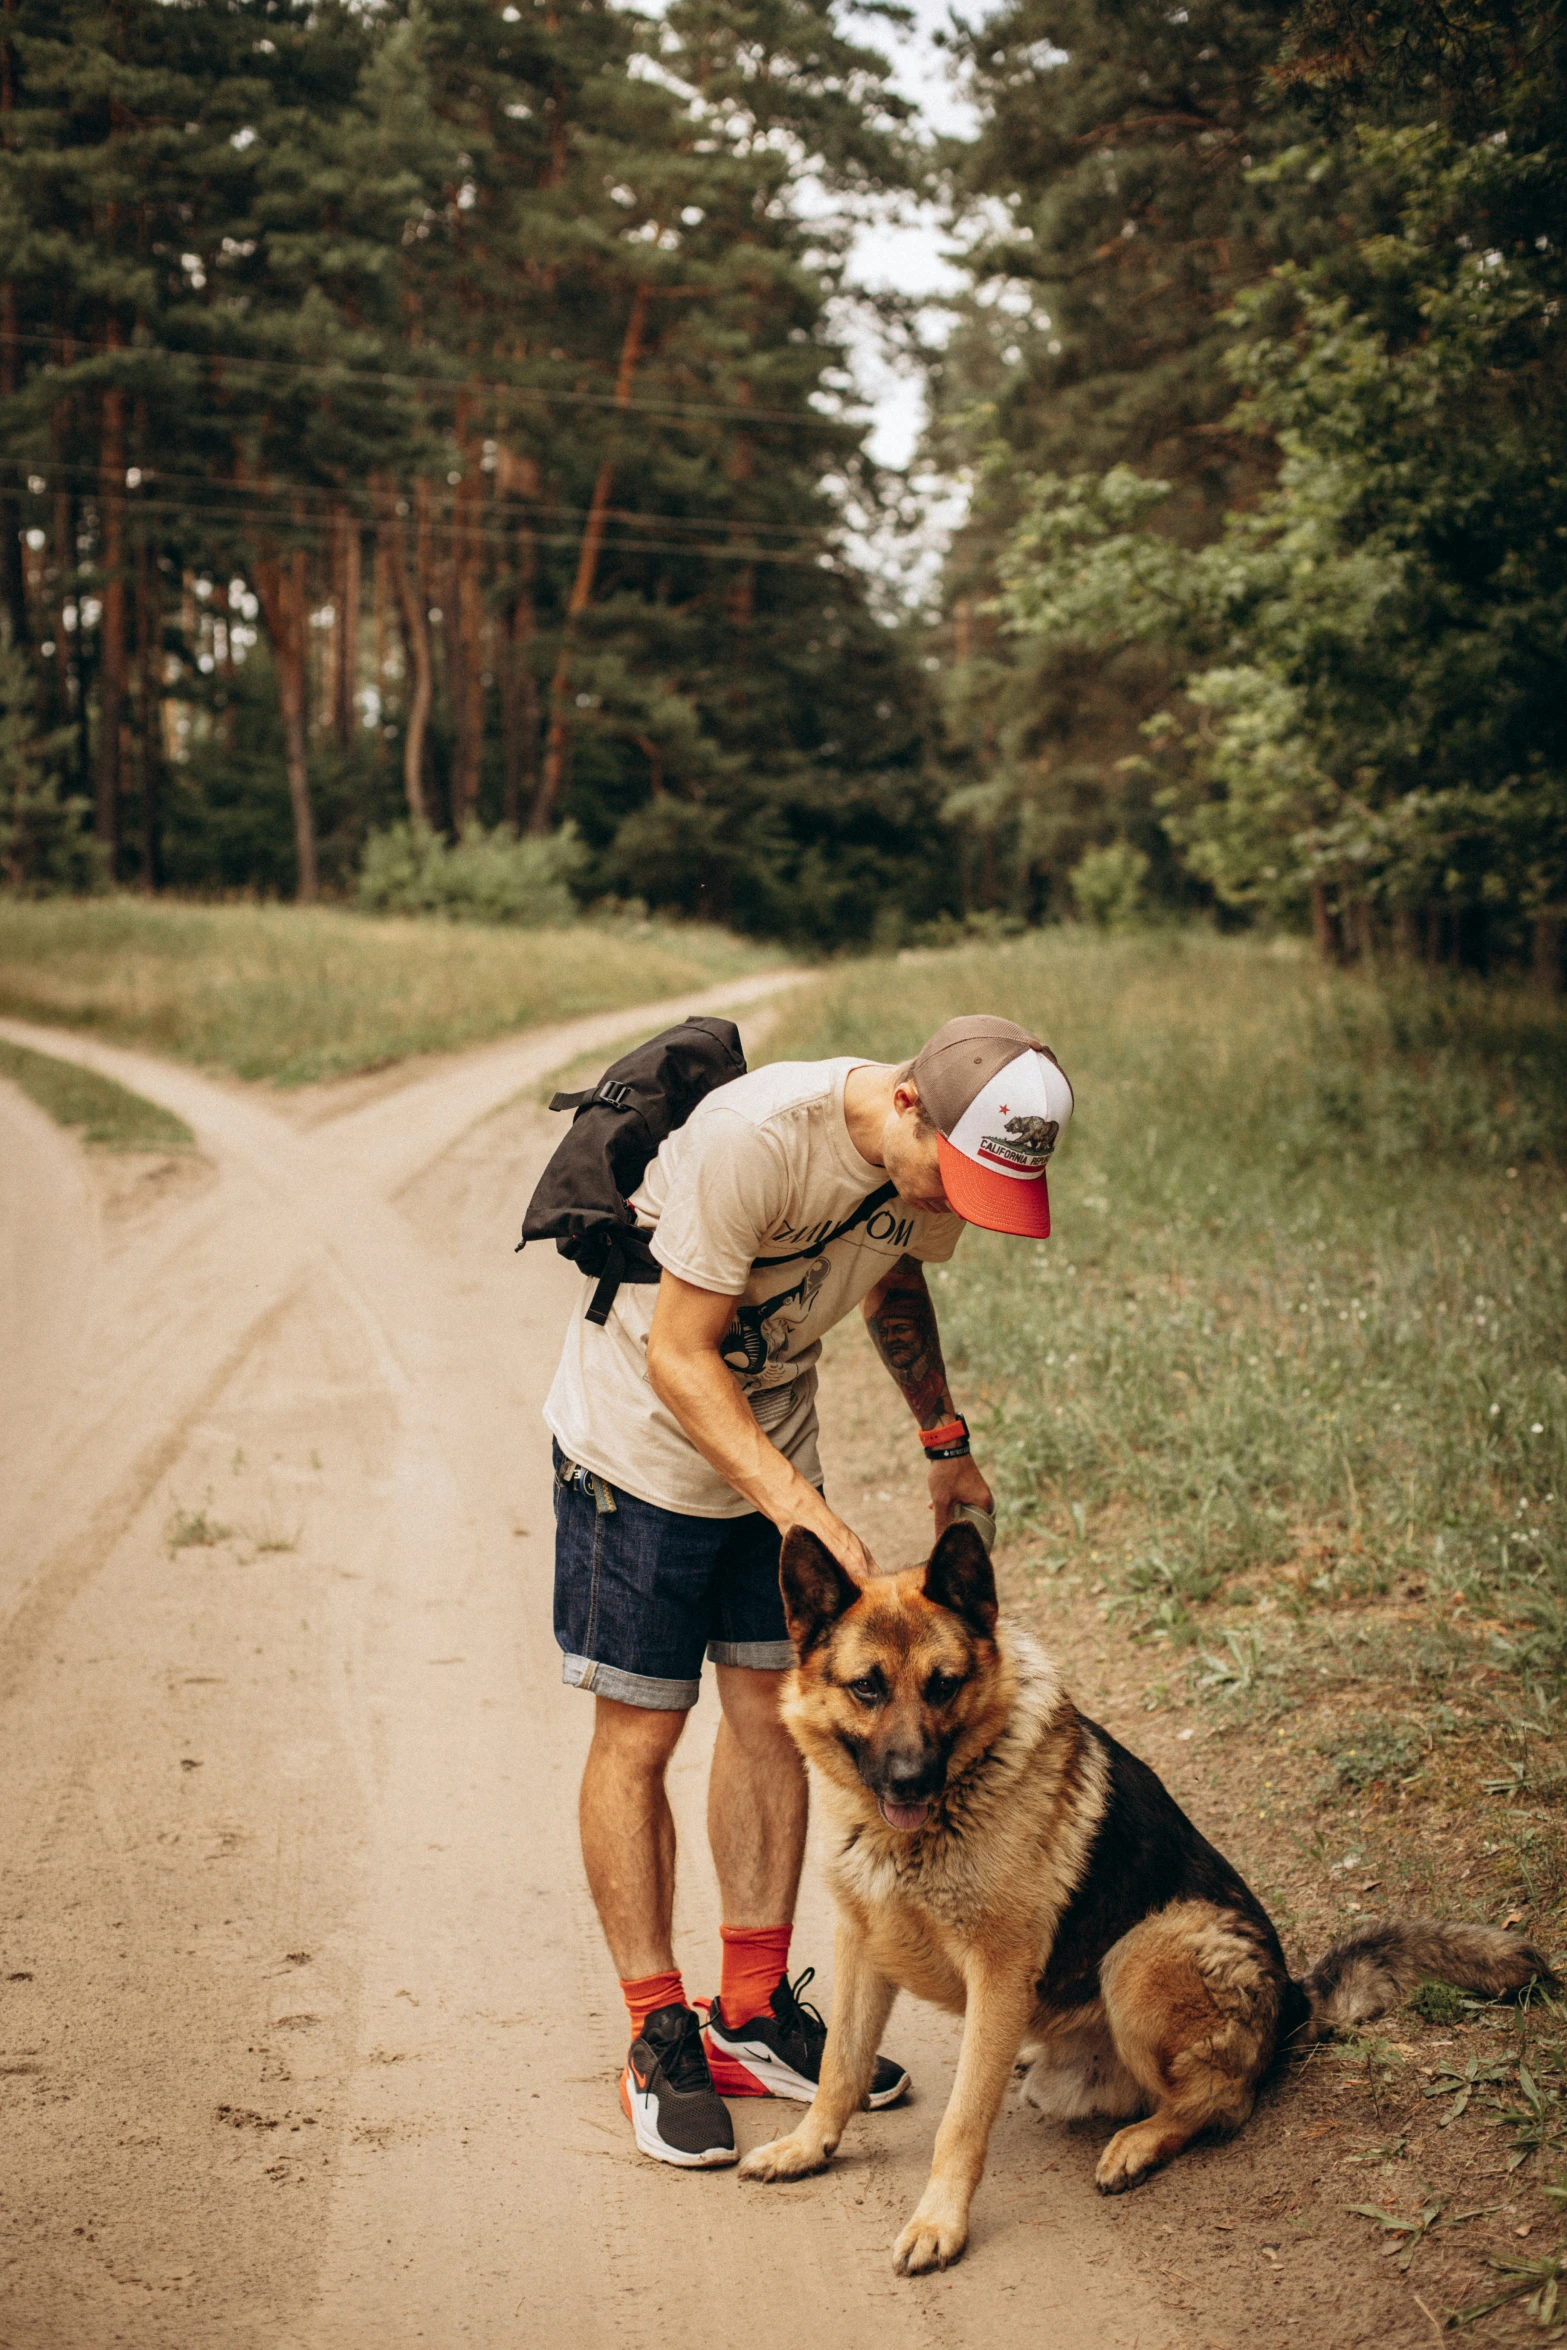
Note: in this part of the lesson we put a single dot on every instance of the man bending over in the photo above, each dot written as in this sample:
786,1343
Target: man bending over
685,1448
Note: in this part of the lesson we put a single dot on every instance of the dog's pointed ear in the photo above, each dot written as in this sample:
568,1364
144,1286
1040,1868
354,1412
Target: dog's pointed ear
960,1577
816,1590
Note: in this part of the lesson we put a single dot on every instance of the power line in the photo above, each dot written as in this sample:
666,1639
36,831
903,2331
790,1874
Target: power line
90,478
288,523
675,410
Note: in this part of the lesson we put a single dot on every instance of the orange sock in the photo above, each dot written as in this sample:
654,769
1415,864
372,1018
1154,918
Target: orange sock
644,1993
755,1958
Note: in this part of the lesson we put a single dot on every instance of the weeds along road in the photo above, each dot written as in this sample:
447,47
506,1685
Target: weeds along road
307,2037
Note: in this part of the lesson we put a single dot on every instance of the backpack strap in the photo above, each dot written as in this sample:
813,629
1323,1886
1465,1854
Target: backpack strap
612,1095
866,1209
609,1282
614,1272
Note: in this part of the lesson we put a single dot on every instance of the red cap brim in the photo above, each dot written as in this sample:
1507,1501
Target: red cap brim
998,1203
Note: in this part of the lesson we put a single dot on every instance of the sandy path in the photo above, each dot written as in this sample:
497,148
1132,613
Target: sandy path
306,2034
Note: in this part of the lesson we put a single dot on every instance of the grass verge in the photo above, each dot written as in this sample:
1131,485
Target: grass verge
108,1116
1276,1422
1293,1362
296,994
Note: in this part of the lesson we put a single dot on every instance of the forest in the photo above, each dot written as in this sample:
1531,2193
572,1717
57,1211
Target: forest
431,462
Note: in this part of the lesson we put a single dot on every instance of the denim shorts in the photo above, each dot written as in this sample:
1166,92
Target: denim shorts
642,1594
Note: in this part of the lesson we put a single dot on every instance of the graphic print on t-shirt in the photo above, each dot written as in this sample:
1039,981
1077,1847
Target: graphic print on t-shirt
760,1334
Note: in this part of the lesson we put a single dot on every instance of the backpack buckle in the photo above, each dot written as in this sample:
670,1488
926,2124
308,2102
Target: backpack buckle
615,1094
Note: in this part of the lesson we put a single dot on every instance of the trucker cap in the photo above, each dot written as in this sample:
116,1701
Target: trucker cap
999,1099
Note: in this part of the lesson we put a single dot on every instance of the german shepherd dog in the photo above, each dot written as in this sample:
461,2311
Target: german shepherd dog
993,1850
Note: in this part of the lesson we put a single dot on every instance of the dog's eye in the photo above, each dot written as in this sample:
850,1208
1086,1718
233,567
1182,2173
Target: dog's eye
869,1691
941,1688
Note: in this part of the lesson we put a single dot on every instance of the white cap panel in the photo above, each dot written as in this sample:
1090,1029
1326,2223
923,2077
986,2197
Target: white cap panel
1013,1123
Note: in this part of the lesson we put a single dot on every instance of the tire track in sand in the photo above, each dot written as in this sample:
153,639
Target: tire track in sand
398,1984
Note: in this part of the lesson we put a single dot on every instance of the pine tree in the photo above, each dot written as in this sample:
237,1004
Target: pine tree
506,313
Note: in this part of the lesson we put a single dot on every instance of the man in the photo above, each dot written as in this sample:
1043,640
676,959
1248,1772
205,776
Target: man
685,1448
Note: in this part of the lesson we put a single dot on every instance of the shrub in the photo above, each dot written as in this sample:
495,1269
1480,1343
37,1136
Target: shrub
1108,885
483,877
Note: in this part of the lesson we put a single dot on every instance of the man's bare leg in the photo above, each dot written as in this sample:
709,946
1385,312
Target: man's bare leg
628,1843
628,1833
756,1802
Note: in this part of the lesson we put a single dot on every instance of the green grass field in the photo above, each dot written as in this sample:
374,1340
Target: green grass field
1278,1424
1298,1345
106,1115
296,994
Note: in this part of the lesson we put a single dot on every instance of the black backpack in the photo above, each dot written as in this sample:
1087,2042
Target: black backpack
582,1199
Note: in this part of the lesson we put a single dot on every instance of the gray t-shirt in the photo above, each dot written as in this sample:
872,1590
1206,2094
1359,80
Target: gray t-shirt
762,1167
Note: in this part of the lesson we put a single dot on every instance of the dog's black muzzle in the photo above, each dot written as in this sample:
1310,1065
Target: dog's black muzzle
905,1774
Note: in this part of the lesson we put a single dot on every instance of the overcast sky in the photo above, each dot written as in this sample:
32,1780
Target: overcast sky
906,255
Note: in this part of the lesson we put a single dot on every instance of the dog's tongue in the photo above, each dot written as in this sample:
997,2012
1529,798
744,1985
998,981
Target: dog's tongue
907,1816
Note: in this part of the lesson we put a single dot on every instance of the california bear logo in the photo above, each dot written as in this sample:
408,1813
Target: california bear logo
1036,1136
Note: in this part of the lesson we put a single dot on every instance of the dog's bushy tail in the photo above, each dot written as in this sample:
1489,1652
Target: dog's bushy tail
1363,1976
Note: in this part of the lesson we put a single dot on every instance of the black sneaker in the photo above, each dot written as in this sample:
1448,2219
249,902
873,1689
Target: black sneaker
669,2097
780,2054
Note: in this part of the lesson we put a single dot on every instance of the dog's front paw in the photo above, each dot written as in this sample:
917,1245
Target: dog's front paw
1131,2154
930,2240
794,2157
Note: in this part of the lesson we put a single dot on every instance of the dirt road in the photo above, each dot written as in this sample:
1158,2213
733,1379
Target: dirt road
307,2039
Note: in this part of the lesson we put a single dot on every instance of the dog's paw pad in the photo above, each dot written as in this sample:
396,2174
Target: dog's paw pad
926,2244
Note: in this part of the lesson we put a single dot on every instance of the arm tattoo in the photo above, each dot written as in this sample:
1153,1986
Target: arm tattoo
903,1331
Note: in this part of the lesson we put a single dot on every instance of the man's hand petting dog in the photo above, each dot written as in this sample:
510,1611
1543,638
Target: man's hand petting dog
952,1482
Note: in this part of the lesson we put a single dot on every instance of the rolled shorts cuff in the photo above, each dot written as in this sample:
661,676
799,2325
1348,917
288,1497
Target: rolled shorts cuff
762,1656
669,1697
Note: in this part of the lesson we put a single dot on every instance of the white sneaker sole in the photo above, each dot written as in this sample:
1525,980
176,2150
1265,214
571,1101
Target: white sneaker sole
777,2079
643,2108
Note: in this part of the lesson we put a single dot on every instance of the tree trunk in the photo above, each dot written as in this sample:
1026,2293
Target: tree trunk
519,686
13,576
83,660
111,623
465,664
417,676
149,648
655,764
740,598
546,798
66,640
13,579
1545,967
740,595
345,646
431,616
281,588
380,592
520,707
1322,927
465,661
